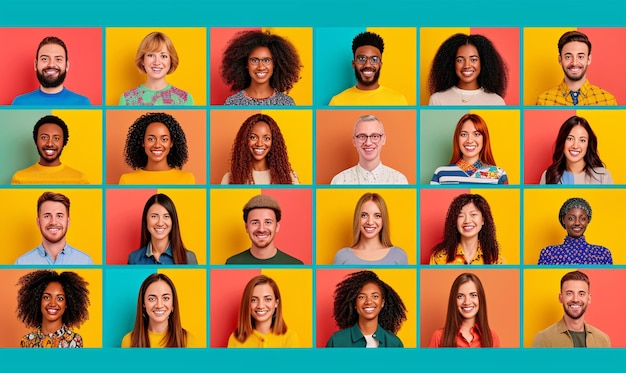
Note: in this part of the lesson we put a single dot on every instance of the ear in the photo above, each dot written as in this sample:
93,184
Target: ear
589,299
560,59
277,301
353,64
277,226
382,304
383,140
561,298
589,60
68,224
67,66
35,64
356,145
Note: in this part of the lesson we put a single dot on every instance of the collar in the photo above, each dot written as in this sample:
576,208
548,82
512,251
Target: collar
149,254
564,90
561,327
42,251
376,171
459,255
571,240
475,330
356,334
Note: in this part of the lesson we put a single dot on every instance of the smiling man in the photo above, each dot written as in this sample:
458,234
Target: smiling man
369,139
574,58
367,51
571,330
262,221
51,67
53,219
51,135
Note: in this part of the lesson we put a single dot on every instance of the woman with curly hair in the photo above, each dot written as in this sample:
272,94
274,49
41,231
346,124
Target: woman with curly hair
259,154
371,238
156,148
52,303
575,159
156,57
161,241
157,318
469,235
467,70
466,320
368,312
260,66
472,161
260,323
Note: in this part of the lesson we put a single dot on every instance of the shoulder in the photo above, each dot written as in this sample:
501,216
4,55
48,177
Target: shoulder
397,177
126,340
390,339
343,256
240,258
236,99
26,98
281,98
544,338
226,178
135,256
435,339
79,257
340,338
337,99
548,97
398,255
341,178
439,257
191,257
543,177
29,257
601,337
285,258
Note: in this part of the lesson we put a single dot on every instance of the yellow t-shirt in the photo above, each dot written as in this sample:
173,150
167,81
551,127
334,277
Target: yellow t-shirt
440,257
269,340
157,340
379,96
173,176
38,174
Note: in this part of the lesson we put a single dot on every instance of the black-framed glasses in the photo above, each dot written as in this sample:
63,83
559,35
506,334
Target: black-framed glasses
254,61
361,138
362,59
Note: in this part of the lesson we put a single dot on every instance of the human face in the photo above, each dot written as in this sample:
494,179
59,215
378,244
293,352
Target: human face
369,302
157,63
51,65
260,140
371,220
467,66
159,222
470,142
262,227
157,144
53,303
467,301
367,74
158,303
470,221
263,304
369,151
53,222
260,73
575,297
576,144
49,144
575,221
574,60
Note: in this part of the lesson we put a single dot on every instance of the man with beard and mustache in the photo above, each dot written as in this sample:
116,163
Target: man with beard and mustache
262,217
51,66
571,330
367,50
575,57
51,135
53,219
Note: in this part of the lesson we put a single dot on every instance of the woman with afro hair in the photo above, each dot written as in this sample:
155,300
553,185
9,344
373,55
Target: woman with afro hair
260,67
259,154
467,70
156,149
52,303
368,312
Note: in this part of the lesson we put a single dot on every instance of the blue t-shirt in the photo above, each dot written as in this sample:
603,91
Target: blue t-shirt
38,97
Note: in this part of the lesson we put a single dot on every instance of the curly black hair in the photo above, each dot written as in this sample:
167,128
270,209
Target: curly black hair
368,38
390,317
493,75
285,57
51,119
135,154
32,286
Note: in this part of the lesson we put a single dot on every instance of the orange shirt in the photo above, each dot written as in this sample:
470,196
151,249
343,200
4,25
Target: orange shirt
437,339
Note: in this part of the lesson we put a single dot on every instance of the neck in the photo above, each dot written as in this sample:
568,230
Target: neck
51,90
263,327
158,327
55,163
364,87
468,86
368,326
157,166
471,160
263,253
577,325
53,249
468,323
575,167
369,165
155,84
159,246
575,85
260,91
48,327
260,165
369,244
470,247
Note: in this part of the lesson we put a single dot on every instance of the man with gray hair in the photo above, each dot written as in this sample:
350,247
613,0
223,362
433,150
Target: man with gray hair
574,216
368,139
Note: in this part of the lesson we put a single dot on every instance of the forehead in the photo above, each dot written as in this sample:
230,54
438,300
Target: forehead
157,46
261,214
262,290
468,126
51,50
367,50
578,131
157,209
368,127
157,128
576,211
575,285
54,288
50,128
370,287
575,47
260,127
52,207
260,52
158,287
468,287
467,50
469,207
370,206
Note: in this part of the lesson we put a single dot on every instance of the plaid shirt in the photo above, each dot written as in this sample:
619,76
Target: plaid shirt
589,95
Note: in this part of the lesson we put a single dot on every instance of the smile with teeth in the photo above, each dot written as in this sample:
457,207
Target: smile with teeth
261,312
259,151
52,311
51,71
467,72
467,308
369,309
468,227
470,148
574,153
50,151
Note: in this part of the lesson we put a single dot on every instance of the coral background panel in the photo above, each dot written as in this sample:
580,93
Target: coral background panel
84,49
295,126
403,281
542,307
336,152
503,301
14,330
193,123
335,213
122,73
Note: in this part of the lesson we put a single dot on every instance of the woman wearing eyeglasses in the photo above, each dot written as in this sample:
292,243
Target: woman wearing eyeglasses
261,67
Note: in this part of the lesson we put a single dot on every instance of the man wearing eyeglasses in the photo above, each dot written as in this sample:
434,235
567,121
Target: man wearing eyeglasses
368,139
367,48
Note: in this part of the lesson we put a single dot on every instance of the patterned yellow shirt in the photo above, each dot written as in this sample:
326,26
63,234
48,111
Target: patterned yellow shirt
589,95
440,257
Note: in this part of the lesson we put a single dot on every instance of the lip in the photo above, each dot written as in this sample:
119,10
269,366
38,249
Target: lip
468,73
52,311
470,148
467,309
369,309
368,72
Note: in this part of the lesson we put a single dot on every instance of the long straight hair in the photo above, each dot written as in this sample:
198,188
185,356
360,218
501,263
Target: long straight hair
176,240
485,156
383,235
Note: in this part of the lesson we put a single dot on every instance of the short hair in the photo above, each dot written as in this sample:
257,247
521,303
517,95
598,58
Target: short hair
245,324
152,42
135,154
176,241
54,197
574,203
485,156
285,57
367,118
383,235
261,201
51,119
368,38
52,40
573,36
575,276
33,284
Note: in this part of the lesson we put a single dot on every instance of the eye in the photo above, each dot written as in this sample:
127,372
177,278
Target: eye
149,55
44,137
266,60
151,298
360,297
583,140
460,60
364,215
460,296
165,139
375,59
166,298
253,138
477,134
45,297
474,59
166,216
463,134
254,60
378,216
268,299
165,56
375,296
474,295
46,215
361,137
60,298
267,139
253,300
57,138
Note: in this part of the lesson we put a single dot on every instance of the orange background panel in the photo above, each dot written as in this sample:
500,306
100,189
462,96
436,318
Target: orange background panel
335,151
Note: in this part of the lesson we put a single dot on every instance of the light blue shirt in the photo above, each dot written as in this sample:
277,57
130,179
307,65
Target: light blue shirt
68,255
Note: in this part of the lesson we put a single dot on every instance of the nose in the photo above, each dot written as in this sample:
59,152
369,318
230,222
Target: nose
466,63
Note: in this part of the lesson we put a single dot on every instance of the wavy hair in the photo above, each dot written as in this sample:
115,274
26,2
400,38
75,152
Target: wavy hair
384,235
485,156
153,42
